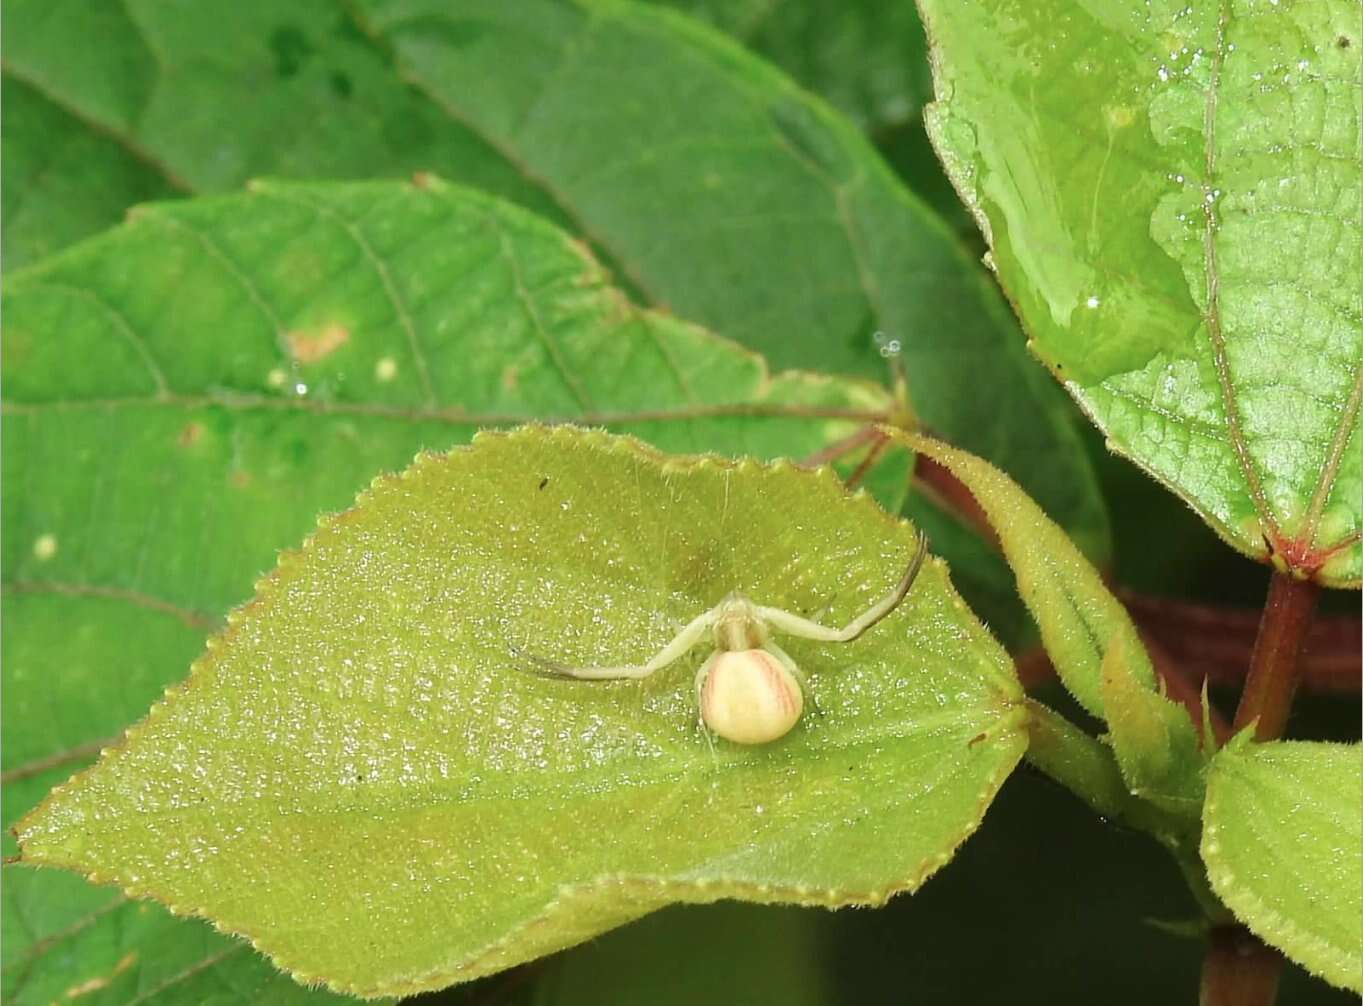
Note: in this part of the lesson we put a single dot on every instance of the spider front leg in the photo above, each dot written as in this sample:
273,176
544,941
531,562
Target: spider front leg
796,625
689,636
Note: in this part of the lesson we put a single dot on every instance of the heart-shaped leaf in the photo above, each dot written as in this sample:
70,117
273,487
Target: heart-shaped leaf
1283,845
1171,192
152,482
363,777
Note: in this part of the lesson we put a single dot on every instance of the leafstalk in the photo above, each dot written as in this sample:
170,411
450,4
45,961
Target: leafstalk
1275,666
1239,969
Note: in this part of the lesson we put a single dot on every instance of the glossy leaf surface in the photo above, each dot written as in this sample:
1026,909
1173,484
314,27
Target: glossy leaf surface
1171,193
362,777
159,450
1283,846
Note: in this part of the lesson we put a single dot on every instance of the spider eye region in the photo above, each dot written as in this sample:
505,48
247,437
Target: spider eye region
750,697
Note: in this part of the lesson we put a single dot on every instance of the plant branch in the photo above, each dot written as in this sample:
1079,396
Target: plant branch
1238,969
1078,762
1219,641
1087,768
1275,664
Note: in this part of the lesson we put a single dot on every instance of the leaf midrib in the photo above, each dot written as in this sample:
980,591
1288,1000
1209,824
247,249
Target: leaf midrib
452,791
1239,446
454,415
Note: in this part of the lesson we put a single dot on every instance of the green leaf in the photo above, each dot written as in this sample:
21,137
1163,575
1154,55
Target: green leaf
1089,637
152,482
208,100
1283,843
101,949
1157,747
727,953
1171,192
60,179
1077,615
867,58
361,748
718,189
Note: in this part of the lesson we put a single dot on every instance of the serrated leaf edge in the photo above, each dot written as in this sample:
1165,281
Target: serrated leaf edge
1324,959
569,896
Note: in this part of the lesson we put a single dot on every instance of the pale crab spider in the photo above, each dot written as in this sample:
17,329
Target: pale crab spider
750,691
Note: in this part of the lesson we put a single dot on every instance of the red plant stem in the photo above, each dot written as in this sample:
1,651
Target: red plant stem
872,456
1275,665
1219,641
862,436
1238,969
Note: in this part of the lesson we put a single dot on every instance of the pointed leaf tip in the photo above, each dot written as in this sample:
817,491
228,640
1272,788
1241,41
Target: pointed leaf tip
361,777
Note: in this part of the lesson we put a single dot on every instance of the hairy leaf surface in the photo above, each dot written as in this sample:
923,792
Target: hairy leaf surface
363,775
1171,192
1087,634
1283,845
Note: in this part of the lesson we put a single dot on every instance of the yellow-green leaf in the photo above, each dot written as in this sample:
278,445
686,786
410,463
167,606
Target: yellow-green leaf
1087,634
1283,844
1152,736
362,778
1077,615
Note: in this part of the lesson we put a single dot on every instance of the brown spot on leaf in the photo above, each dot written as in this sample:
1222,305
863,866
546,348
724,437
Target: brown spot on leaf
422,180
511,376
309,347
239,479
190,435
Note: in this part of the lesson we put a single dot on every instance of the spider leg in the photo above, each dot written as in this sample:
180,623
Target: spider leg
688,637
795,625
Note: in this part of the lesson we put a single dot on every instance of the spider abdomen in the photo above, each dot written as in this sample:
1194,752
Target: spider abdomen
749,697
